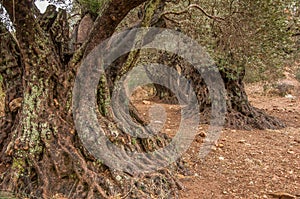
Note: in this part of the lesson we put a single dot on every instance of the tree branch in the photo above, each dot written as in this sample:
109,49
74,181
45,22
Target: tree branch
107,22
194,6
296,34
113,12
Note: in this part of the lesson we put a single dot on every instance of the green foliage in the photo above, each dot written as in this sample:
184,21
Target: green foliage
133,141
92,5
254,34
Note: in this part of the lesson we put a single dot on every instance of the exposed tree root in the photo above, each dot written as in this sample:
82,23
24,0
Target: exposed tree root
258,119
67,169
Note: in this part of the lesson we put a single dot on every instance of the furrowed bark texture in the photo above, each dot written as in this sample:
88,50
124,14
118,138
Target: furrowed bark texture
41,154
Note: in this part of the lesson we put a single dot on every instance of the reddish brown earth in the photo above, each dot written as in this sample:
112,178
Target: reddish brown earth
243,164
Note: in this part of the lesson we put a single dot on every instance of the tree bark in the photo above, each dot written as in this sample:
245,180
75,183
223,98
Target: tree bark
240,113
11,71
42,153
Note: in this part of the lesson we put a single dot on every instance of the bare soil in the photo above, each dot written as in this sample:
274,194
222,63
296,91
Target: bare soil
243,164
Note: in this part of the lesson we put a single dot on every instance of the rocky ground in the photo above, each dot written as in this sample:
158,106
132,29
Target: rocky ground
245,164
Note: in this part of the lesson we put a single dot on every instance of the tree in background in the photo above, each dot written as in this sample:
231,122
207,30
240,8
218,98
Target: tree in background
244,37
247,34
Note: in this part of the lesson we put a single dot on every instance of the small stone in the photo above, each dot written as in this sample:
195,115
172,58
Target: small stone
220,145
291,152
242,141
118,178
146,102
214,148
221,158
290,97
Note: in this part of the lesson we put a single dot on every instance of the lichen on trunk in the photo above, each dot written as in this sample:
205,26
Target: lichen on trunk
42,152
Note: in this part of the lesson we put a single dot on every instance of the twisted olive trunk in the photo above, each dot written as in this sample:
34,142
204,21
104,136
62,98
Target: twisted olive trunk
40,149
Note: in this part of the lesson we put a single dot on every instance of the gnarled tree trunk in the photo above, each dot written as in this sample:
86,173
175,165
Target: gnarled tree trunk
240,113
41,154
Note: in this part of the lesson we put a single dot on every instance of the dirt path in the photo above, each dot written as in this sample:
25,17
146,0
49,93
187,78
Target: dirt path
244,164
251,164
